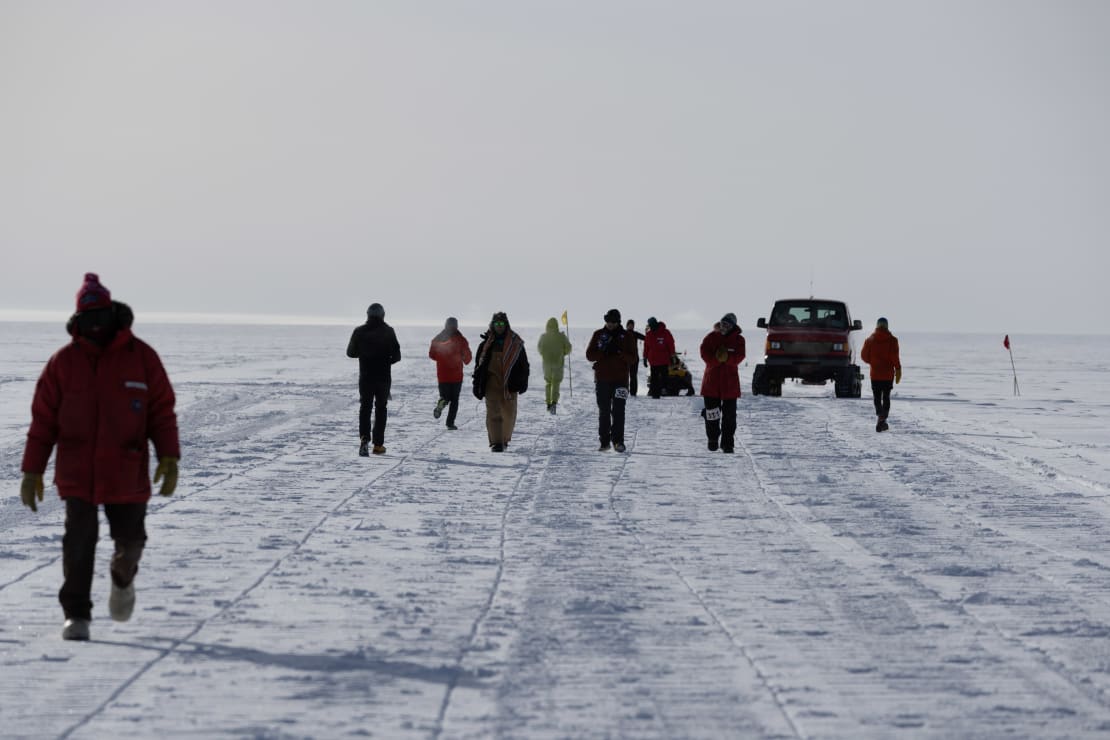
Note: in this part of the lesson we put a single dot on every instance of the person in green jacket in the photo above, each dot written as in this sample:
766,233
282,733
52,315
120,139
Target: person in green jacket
554,347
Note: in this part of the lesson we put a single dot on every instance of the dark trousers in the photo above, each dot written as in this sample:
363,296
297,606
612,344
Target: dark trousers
373,394
723,428
881,389
633,378
126,525
610,407
657,383
449,392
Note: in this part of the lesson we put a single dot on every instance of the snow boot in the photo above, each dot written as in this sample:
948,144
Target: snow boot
379,449
438,410
604,447
551,409
452,427
619,447
121,602
712,445
363,449
75,629
497,447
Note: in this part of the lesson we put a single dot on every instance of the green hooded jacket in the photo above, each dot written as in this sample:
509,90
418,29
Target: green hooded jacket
553,345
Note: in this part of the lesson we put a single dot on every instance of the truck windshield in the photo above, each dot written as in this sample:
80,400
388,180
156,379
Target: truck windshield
810,313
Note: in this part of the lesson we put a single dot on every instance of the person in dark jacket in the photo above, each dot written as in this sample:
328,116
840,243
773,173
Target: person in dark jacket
611,349
722,350
451,352
658,351
634,367
500,374
880,351
102,399
375,345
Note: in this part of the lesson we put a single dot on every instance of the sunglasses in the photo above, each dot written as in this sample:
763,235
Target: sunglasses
499,323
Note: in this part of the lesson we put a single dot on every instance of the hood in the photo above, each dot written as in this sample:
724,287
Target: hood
552,325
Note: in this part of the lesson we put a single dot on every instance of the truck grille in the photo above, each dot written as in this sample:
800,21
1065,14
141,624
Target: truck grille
807,348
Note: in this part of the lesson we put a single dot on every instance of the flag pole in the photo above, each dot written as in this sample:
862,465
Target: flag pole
570,371
1006,343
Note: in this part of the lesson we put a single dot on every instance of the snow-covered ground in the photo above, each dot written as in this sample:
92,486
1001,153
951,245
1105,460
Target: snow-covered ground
949,578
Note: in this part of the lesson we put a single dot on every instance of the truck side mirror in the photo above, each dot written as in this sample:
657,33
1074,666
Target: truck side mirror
762,323
857,324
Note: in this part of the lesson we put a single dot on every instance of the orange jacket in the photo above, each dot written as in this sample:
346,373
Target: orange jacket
880,351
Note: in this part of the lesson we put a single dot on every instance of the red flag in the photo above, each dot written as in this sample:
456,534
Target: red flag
1006,342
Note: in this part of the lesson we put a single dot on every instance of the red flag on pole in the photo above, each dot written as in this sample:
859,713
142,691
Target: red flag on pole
1006,342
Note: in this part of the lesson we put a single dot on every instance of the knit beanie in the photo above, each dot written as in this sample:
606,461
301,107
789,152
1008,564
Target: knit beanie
92,294
881,323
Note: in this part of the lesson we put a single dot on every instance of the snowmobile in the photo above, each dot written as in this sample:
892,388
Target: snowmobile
678,378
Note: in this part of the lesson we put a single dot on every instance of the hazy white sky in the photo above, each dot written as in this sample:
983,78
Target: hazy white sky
946,164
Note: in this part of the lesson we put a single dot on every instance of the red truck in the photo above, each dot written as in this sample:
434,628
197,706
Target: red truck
808,339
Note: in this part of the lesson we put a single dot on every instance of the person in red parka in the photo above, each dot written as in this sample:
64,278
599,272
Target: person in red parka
100,400
451,351
658,351
880,351
723,350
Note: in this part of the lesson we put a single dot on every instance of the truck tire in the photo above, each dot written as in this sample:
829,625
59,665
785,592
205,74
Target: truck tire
760,386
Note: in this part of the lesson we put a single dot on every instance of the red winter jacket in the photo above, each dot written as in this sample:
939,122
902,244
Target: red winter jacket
659,345
100,406
880,351
722,379
451,352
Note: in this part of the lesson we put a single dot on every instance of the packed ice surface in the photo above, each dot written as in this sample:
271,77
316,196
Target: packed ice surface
950,577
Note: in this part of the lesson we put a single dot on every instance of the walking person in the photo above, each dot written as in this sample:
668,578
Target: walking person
611,349
658,351
451,352
500,374
634,366
723,350
880,351
101,399
375,345
553,347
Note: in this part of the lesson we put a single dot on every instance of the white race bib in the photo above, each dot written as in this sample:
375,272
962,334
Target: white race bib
713,414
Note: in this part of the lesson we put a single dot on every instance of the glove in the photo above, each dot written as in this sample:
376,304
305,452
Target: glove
645,362
722,354
30,489
167,468
897,375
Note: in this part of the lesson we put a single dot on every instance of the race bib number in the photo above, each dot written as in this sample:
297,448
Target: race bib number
712,414
621,393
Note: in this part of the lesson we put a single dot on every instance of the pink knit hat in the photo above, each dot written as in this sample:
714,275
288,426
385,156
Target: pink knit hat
92,294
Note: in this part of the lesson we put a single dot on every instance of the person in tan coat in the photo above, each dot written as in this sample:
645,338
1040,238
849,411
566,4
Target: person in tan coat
500,374
880,351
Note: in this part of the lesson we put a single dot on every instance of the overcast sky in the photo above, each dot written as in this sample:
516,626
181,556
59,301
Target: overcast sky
946,164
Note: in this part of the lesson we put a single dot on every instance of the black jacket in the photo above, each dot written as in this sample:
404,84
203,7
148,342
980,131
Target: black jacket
375,345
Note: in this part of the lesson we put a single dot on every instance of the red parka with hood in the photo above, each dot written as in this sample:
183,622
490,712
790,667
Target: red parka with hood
659,345
880,351
100,406
722,378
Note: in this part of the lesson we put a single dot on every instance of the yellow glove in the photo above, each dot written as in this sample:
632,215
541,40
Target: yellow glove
167,467
30,489
897,375
722,354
